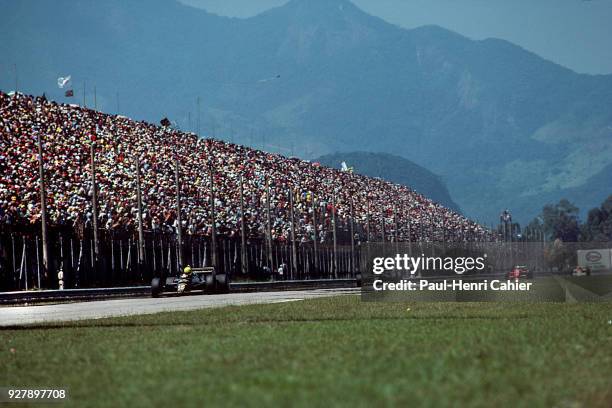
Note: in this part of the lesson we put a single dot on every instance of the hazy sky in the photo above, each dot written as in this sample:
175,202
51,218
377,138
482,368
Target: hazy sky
573,33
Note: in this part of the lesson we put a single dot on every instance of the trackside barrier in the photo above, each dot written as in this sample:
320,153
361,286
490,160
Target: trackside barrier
41,296
73,265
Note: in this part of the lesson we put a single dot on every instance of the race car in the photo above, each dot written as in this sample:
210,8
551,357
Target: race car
520,272
581,271
192,280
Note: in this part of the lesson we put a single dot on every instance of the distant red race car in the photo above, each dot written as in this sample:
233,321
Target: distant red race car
520,272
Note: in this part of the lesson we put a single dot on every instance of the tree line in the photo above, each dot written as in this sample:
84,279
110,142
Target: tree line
562,221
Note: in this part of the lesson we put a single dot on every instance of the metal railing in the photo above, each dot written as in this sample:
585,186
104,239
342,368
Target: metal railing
72,257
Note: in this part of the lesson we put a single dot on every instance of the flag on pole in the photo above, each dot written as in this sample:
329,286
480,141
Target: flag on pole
62,81
345,168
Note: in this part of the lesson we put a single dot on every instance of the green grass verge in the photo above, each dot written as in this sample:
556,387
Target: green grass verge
326,352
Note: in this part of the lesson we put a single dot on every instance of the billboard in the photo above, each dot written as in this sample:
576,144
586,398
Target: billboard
595,259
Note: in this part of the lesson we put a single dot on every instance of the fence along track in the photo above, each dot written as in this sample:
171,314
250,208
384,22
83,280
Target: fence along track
55,295
118,266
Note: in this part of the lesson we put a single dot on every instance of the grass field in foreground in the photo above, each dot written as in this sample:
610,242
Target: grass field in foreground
335,351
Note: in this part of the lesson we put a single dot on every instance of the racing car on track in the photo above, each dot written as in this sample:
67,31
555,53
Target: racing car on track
192,280
520,272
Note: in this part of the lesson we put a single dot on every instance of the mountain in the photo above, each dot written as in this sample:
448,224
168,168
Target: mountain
396,169
503,127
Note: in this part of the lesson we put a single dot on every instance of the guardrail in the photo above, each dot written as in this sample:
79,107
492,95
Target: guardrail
41,296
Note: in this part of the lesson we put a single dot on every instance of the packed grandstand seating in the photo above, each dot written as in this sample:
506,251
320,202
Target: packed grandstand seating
68,130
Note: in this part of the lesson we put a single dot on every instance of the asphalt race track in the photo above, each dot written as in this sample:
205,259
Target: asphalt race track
23,315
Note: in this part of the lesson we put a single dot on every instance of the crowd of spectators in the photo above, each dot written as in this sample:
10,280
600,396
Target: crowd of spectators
120,143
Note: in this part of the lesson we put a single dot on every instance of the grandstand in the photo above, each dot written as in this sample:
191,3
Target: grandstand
67,132
286,201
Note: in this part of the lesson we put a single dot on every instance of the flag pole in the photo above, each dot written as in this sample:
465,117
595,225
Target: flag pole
139,204
243,257
408,222
179,227
368,211
293,244
198,102
269,226
335,236
382,225
213,220
396,228
43,208
314,224
94,198
352,239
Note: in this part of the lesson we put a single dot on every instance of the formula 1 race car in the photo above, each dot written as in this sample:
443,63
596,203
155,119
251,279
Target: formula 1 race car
192,280
520,272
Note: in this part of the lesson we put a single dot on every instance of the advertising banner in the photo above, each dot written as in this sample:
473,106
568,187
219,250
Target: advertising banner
595,259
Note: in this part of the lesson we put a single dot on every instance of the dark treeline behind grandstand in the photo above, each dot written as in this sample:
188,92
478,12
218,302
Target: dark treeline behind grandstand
284,200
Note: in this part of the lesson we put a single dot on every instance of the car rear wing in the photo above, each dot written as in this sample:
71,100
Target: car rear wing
206,269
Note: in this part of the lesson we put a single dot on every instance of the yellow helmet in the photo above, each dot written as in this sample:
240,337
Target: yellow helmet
187,269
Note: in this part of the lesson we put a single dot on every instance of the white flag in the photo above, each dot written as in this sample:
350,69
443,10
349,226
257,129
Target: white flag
61,81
